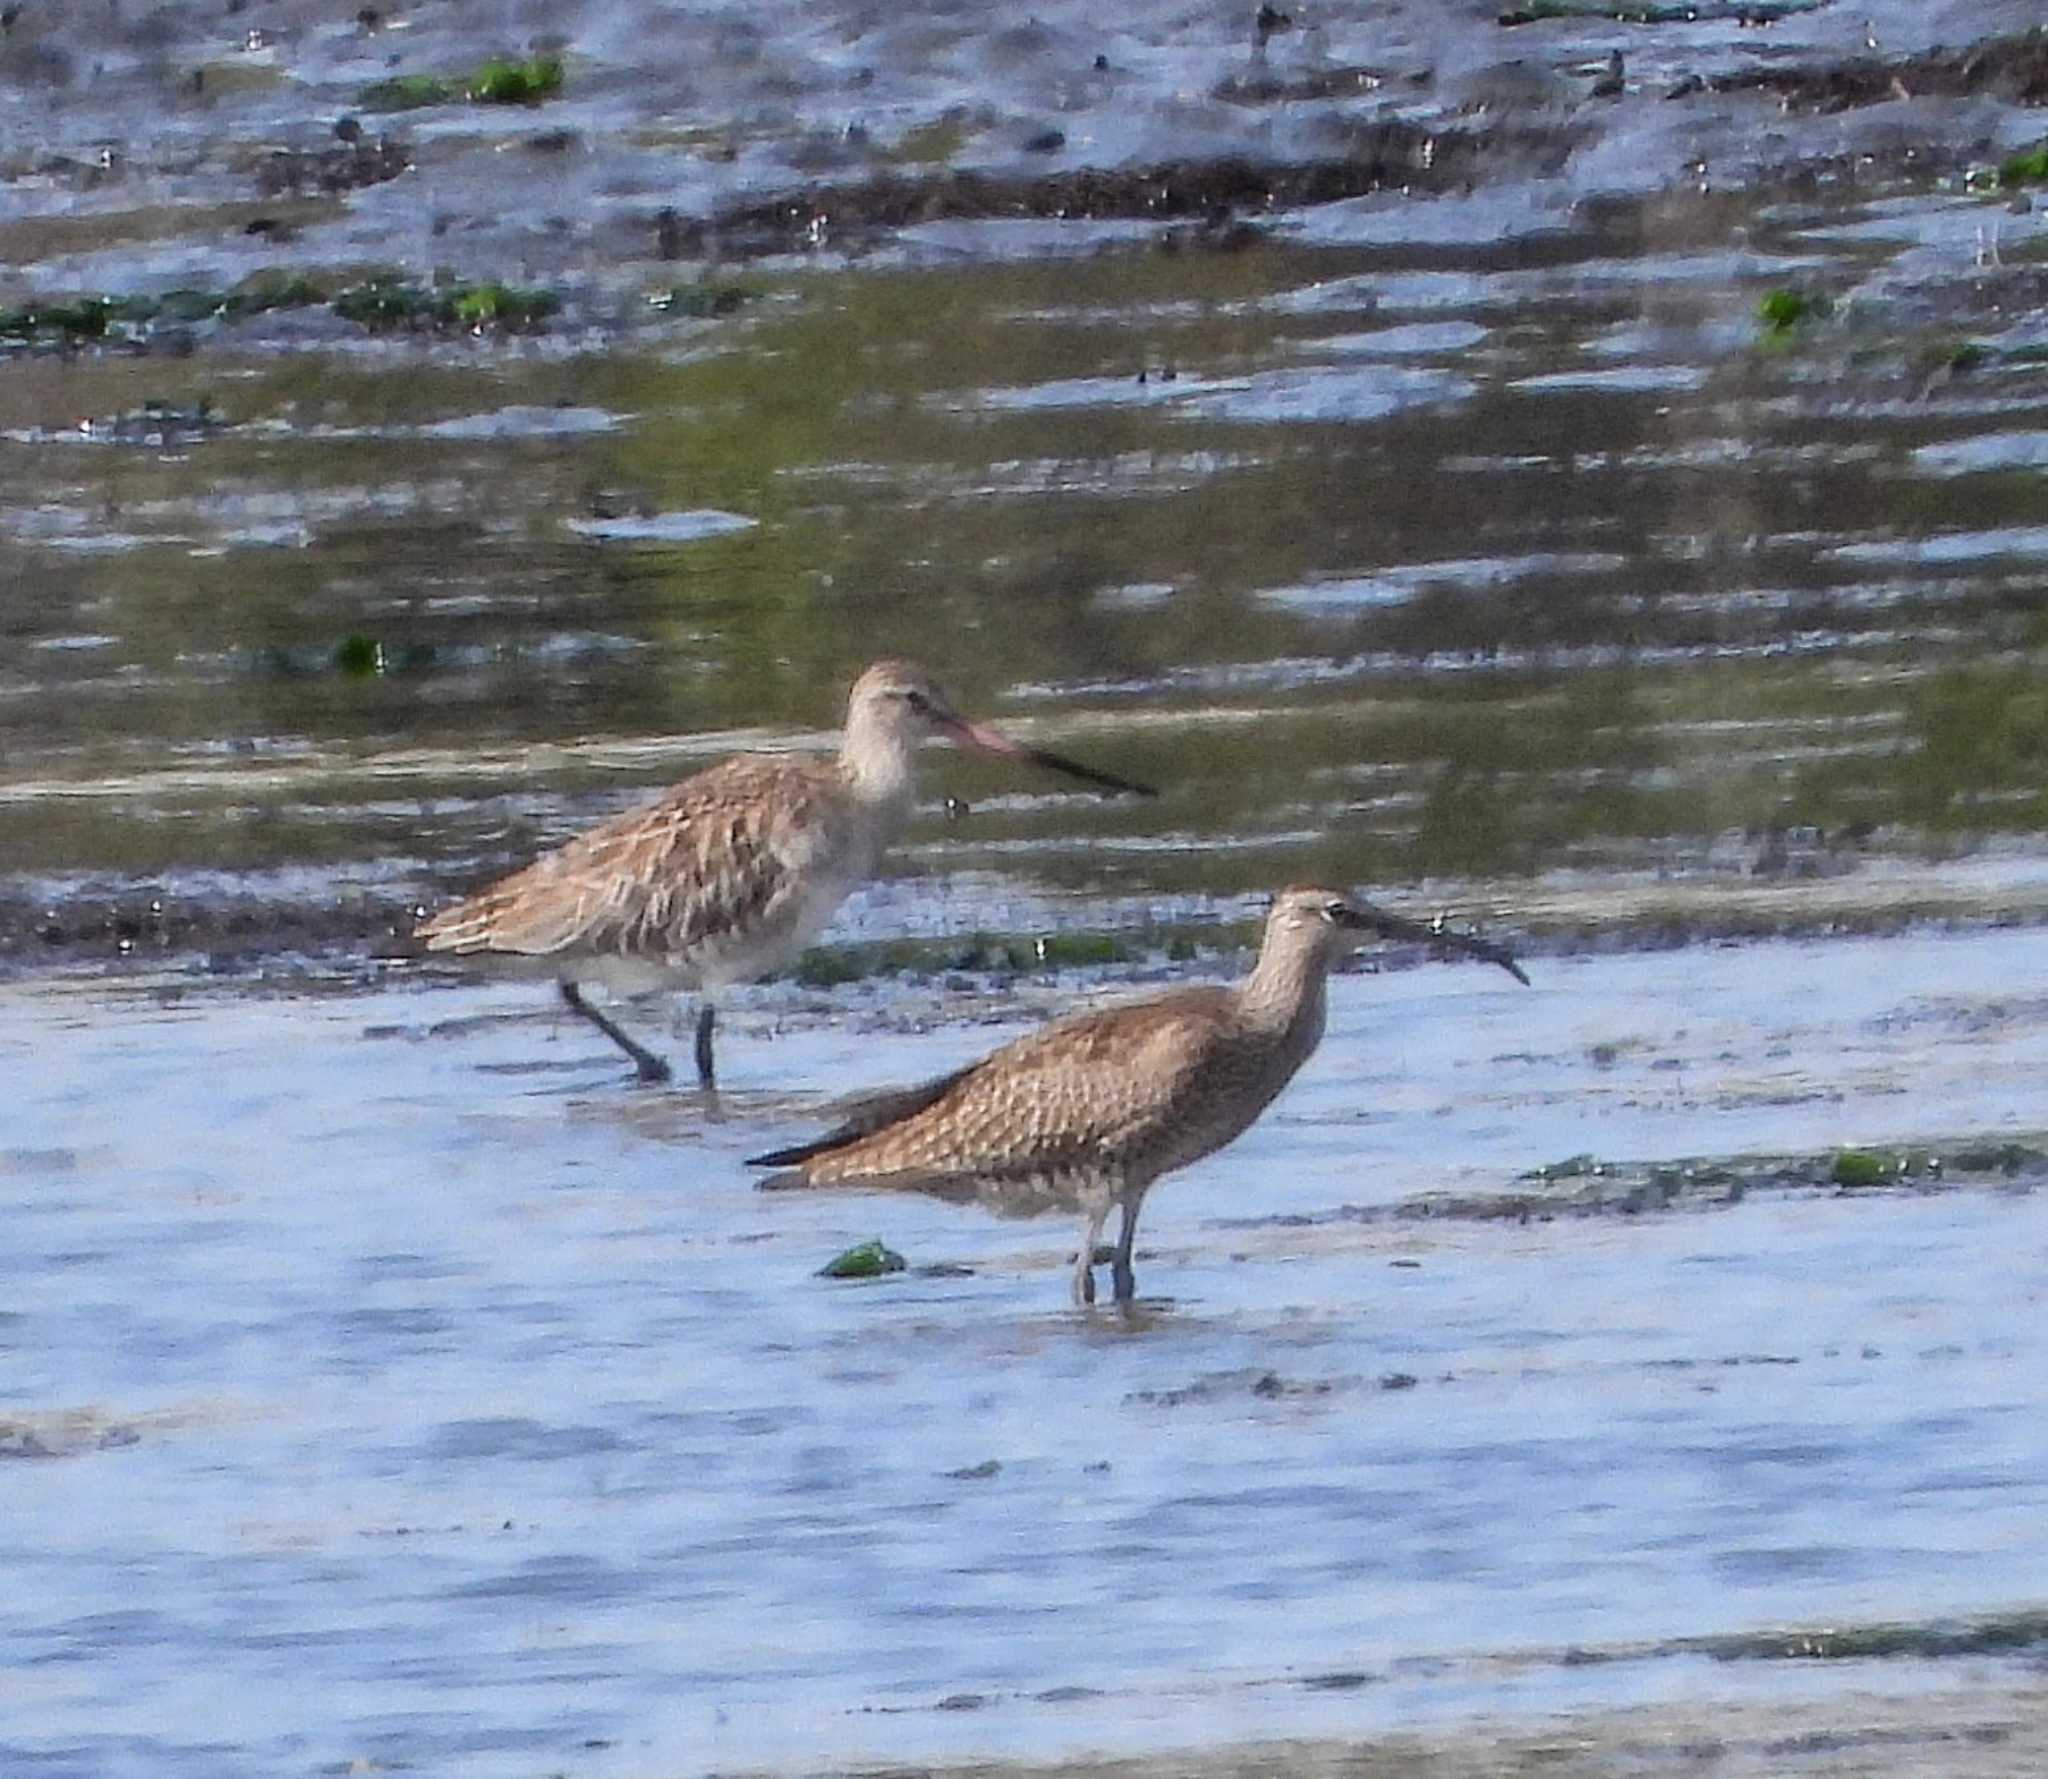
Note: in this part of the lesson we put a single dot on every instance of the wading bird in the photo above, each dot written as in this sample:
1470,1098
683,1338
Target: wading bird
1089,1111
732,872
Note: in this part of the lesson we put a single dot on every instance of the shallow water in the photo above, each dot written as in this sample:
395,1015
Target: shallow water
388,1382
404,1388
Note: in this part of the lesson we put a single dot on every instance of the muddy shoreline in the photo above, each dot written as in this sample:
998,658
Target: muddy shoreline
1973,1732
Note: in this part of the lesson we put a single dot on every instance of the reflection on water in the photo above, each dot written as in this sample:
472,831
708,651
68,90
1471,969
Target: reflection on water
1514,566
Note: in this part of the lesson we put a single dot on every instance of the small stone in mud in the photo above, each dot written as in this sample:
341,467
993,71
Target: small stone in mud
1398,1380
1343,1682
981,1472
867,1260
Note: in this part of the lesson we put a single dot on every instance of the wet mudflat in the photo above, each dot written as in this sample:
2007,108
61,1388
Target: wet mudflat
1614,517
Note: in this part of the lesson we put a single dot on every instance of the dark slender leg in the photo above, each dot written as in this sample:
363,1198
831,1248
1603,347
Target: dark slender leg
706,1018
1126,1281
649,1066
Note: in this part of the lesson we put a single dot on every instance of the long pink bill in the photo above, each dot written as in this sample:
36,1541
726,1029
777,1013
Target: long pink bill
987,739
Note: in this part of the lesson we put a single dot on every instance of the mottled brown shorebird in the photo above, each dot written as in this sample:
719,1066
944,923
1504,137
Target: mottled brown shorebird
733,871
1089,1111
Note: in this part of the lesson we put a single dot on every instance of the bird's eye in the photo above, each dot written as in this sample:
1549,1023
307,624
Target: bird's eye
1333,910
917,700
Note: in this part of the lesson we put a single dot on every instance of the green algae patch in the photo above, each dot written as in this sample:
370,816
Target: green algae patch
1784,309
503,305
702,302
868,1260
261,292
517,83
930,145
84,318
1858,1167
830,966
96,319
407,92
500,81
359,656
387,305
2030,168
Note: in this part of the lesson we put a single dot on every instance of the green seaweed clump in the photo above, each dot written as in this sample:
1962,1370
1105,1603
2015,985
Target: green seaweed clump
84,319
500,81
1784,309
1858,1167
517,83
406,92
359,656
384,304
868,1260
503,305
2030,168
261,292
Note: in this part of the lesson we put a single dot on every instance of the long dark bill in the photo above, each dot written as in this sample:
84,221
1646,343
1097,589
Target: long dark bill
986,738
1434,934
1104,781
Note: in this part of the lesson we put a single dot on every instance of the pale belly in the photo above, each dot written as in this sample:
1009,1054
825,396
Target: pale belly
746,954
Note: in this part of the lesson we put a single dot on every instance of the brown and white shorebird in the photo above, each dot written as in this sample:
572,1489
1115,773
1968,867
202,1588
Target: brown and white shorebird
1089,1111
732,872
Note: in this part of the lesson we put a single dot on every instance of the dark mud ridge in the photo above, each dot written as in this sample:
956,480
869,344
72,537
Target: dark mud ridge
1219,194
348,935
1583,1186
1387,154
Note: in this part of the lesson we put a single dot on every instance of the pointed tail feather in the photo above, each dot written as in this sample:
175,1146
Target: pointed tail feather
864,1118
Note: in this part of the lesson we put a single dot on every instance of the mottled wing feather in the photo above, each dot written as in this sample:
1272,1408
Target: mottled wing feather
724,852
1092,1095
